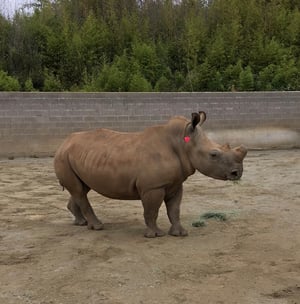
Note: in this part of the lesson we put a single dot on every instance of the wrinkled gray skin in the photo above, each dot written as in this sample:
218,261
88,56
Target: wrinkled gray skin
150,166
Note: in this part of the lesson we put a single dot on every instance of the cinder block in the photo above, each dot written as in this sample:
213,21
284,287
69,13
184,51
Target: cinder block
48,117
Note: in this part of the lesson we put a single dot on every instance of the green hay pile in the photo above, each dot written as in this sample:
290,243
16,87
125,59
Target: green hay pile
221,216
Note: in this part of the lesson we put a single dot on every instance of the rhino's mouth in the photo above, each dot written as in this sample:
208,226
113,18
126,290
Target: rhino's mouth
234,175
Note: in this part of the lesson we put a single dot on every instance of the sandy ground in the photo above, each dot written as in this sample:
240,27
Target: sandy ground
253,257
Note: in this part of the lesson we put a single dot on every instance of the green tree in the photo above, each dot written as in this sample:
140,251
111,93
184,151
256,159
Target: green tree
96,43
194,40
171,45
231,76
5,33
139,83
164,85
111,79
146,58
246,80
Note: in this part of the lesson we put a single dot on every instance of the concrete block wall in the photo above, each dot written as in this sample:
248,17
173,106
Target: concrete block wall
36,123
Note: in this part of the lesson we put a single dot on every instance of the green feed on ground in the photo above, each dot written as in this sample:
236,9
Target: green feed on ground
221,216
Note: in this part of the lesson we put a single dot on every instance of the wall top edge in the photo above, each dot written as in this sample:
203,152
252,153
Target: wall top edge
146,95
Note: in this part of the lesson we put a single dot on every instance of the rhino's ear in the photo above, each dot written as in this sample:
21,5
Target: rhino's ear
202,117
198,118
195,120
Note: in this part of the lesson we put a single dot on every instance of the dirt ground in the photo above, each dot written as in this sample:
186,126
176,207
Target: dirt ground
253,257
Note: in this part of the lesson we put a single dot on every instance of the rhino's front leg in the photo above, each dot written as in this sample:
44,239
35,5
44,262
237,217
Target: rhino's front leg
152,201
173,210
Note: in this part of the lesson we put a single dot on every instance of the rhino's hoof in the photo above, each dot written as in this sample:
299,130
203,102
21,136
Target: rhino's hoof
95,226
81,222
149,233
178,231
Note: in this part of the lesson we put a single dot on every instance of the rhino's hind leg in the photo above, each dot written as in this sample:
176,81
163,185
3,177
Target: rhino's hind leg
173,210
87,212
152,201
78,204
79,218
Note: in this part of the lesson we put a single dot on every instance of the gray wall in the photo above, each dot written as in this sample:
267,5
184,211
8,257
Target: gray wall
36,123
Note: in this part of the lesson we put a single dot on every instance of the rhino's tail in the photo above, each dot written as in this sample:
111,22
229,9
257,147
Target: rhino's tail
63,187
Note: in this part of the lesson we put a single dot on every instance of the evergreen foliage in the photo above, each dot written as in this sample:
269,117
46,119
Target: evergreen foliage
152,45
8,83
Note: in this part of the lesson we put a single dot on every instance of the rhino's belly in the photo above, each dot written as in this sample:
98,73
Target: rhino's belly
115,186
115,193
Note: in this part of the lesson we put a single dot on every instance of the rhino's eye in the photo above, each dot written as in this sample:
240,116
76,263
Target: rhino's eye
214,154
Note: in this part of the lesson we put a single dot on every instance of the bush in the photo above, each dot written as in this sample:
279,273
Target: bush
28,86
52,83
8,83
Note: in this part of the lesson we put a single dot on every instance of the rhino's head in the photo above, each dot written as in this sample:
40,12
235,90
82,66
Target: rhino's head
210,158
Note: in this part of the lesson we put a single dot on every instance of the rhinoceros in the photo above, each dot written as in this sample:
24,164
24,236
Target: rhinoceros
150,166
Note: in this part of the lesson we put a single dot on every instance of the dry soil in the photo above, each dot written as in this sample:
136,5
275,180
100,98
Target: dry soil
253,257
